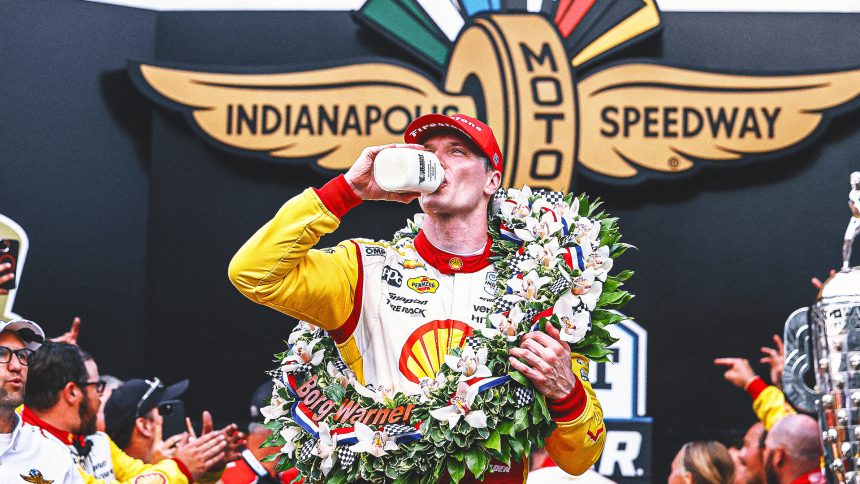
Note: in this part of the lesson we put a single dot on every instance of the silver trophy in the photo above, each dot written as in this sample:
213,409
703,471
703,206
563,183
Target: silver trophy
826,339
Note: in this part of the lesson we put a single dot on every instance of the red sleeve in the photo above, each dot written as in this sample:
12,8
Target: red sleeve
755,387
184,469
570,407
337,196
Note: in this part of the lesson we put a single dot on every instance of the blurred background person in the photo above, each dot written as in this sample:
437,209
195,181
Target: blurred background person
793,451
111,384
703,462
134,422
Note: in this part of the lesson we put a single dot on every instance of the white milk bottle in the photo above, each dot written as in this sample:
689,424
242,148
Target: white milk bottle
407,170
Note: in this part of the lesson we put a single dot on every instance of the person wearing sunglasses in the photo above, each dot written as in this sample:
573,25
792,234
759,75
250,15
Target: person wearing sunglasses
24,451
62,400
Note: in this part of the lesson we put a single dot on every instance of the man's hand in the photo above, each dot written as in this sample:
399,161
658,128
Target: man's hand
235,440
546,362
775,358
360,176
6,275
71,336
739,372
165,449
202,453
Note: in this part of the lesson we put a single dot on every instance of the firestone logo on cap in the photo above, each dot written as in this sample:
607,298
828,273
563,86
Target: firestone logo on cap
464,120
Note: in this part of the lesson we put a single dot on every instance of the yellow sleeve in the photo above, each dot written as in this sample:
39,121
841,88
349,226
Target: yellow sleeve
277,266
770,406
577,444
127,469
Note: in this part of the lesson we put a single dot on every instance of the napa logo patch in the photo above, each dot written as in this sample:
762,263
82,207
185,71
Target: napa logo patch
423,284
551,100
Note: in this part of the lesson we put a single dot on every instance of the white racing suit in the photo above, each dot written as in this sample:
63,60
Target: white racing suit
394,310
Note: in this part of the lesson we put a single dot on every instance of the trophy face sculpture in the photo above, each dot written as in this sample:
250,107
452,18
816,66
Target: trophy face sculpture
826,339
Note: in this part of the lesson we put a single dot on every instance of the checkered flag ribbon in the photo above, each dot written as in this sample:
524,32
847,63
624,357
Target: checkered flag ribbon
345,456
522,395
503,306
529,314
559,286
340,365
305,452
473,343
551,197
393,430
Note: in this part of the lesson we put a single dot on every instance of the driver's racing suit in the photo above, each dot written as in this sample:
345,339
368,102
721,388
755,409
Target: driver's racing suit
394,309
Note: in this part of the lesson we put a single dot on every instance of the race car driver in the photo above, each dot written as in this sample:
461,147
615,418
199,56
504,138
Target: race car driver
377,299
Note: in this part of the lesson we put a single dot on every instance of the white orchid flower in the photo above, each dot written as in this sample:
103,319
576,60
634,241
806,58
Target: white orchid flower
516,205
461,407
383,394
526,288
303,328
374,442
303,354
470,364
565,211
425,387
325,448
537,229
545,255
275,409
289,434
600,261
505,325
586,230
586,289
343,377
575,321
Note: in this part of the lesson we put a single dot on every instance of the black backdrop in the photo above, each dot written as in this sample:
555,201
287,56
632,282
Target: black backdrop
132,218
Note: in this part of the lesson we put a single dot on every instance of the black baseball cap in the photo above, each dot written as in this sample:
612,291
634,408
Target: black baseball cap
136,398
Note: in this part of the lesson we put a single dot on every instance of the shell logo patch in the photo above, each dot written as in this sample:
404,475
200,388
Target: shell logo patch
425,349
423,284
152,478
455,263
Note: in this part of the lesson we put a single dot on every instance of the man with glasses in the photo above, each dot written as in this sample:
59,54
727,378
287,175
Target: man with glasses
63,400
25,454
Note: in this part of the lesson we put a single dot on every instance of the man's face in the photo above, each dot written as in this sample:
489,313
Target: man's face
752,454
13,375
770,456
155,422
467,184
88,410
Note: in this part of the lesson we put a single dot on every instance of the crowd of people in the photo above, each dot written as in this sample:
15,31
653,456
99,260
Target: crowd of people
782,447
63,422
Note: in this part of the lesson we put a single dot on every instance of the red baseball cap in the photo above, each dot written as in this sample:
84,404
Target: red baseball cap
478,132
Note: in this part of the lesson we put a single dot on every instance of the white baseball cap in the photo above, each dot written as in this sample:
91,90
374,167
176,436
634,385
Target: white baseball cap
29,332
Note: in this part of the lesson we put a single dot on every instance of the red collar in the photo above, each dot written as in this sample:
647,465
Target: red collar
814,477
69,438
448,263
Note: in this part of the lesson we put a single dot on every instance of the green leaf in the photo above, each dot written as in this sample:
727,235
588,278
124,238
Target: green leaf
494,441
543,408
521,419
270,458
623,275
477,462
456,470
518,447
335,392
519,378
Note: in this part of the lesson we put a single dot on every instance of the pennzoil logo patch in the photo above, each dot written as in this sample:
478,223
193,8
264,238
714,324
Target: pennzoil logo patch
622,123
423,284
